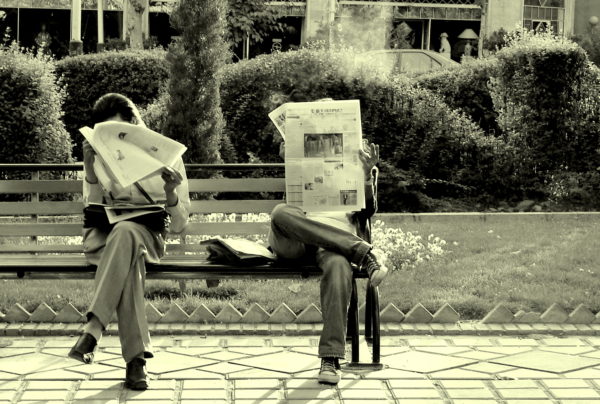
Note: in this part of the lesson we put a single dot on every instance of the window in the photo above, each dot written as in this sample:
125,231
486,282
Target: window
544,14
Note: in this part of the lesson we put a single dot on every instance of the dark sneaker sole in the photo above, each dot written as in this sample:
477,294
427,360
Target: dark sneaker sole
141,385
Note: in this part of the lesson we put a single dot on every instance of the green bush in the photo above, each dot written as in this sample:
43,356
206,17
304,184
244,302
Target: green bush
429,150
31,129
466,87
545,92
423,141
193,107
136,74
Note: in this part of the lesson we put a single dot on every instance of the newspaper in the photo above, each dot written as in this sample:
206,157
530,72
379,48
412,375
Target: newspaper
127,153
323,172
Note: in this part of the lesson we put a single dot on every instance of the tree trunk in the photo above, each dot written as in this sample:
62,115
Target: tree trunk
133,11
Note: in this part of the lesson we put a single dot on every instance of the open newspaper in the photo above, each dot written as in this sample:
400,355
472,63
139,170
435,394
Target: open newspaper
322,169
129,153
125,154
237,251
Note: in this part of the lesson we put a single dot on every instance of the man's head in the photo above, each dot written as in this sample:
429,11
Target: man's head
115,107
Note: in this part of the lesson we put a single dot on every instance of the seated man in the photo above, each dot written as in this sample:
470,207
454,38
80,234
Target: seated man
331,238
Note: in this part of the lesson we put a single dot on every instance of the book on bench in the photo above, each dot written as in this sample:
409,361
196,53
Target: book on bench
237,251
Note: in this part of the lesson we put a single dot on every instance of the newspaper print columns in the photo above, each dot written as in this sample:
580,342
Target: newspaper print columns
75,44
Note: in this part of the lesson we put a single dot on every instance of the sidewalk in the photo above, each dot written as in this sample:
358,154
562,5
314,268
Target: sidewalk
269,369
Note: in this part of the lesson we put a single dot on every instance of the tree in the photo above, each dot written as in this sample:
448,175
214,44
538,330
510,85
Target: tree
134,10
194,113
252,19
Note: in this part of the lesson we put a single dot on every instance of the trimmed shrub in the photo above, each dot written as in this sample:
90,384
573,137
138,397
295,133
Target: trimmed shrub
466,87
136,74
545,92
31,129
193,107
428,149
423,141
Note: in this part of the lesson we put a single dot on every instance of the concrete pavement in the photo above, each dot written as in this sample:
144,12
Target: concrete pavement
194,369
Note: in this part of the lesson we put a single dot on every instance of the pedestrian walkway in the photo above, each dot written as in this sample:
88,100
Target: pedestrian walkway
195,369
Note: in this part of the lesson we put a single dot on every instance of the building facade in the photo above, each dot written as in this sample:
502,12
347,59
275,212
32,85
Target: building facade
367,24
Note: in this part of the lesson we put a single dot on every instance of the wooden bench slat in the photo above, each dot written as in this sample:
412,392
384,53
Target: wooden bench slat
40,186
74,229
40,208
76,208
78,248
195,185
237,185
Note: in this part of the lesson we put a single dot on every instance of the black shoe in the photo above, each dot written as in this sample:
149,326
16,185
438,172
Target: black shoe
84,348
330,371
136,377
374,265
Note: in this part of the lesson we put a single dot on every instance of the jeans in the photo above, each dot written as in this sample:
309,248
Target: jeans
294,236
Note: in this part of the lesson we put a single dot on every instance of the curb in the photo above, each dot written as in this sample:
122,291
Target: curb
471,328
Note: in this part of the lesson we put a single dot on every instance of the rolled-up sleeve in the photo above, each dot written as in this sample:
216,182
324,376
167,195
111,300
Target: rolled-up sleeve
180,212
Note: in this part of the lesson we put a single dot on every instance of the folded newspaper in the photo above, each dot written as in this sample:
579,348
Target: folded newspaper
237,251
128,153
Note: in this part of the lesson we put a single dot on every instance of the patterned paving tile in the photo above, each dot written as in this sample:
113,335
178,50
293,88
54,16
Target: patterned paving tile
424,362
90,369
444,350
224,368
99,356
569,350
167,362
34,362
459,374
6,352
224,356
192,374
548,361
479,355
258,374
487,367
266,350
287,362
193,351
509,350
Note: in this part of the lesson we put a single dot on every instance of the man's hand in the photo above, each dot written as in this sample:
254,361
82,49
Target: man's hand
369,156
282,150
89,156
172,179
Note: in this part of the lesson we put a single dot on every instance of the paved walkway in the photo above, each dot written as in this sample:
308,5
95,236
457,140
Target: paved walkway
270,369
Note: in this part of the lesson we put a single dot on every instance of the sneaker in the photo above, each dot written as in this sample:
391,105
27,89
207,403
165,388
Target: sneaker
374,265
330,371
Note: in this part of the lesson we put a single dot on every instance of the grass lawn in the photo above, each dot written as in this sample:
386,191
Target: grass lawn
527,262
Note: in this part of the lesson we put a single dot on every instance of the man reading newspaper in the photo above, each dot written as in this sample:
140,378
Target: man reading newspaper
336,240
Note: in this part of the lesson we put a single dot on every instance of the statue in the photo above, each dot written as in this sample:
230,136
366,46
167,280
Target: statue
445,48
43,40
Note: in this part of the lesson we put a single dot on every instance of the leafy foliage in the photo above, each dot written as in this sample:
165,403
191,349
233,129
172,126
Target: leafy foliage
252,18
542,93
136,74
31,129
466,87
193,108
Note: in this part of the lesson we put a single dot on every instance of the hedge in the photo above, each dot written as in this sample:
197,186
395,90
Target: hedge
545,91
31,130
136,74
466,87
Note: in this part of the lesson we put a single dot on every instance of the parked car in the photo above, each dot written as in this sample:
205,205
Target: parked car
406,60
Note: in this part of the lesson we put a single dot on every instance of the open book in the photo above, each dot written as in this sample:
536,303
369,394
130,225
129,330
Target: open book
128,153
237,251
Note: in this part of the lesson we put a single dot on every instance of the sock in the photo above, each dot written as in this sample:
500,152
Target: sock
94,327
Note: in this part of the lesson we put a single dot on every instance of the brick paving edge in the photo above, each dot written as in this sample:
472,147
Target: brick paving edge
387,329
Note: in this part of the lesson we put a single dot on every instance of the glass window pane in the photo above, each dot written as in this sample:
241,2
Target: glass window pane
527,13
415,62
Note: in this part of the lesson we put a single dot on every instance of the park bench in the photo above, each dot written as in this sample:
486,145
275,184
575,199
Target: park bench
40,212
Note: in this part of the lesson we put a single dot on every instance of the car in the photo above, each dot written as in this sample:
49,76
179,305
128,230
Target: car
406,60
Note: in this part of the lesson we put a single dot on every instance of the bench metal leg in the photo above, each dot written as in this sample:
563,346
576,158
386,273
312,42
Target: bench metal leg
368,315
353,324
376,325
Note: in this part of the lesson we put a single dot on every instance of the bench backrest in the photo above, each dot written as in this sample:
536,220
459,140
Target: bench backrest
40,224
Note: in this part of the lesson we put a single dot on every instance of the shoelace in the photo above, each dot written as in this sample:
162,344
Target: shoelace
328,365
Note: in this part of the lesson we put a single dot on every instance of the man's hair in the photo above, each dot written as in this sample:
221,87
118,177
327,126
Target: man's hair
112,104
